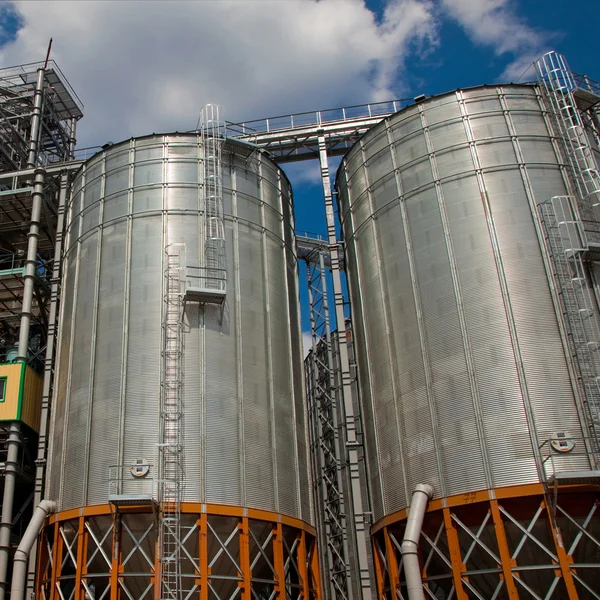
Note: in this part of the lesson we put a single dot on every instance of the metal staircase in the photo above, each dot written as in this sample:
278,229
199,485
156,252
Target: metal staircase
567,244
171,446
569,221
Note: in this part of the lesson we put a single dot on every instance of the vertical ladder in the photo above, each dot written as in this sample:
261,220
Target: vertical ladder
559,87
171,448
566,242
212,130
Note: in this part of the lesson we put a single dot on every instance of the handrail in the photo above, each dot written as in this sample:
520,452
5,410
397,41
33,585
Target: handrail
318,117
582,448
13,71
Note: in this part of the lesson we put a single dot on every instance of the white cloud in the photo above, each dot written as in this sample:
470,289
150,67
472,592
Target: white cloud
141,67
496,23
309,172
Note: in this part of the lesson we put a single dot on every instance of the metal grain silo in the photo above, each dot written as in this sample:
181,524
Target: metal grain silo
466,368
241,522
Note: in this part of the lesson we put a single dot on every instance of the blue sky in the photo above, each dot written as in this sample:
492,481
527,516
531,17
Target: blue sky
149,66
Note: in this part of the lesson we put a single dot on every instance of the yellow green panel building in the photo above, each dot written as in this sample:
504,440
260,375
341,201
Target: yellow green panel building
20,394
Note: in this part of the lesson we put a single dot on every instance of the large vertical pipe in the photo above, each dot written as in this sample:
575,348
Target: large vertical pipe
72,138
36,119
40,462
29,277
14,439
10,478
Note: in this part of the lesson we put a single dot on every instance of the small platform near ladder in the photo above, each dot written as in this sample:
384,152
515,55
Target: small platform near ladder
575,477
585,98
205,295
592,252
132,500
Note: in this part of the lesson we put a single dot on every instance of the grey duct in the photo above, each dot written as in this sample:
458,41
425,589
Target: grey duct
10,477
410,542
40,463
44,508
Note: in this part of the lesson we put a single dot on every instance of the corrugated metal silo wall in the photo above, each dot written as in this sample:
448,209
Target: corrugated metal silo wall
244,415
455,329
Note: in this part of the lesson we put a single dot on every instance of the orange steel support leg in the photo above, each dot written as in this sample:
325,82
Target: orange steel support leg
278,561
116,559
203,553
455,557
564,560
245,558
392,563
39,575
56,560
155,579
507,561
316,571
78,593
86,545
379,570
302,566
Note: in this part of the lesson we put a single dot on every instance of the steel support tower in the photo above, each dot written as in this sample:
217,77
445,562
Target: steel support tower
38,116
308,136
323,412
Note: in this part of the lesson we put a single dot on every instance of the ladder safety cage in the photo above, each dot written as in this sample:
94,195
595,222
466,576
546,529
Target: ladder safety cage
208,283
564,94
171,475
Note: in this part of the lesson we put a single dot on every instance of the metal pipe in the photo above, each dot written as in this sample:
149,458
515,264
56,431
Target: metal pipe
10,477
40,462
43,509
72,138
36,119
29,277
410,542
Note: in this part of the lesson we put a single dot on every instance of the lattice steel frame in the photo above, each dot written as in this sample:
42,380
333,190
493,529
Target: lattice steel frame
479,545
323,411
226,552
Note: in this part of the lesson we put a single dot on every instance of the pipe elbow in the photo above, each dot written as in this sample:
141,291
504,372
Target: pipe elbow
408,547
425,488
21,556
43,509
48,506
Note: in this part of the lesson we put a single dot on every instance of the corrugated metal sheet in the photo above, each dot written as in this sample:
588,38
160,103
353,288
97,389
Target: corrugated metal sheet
244,422
450,294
